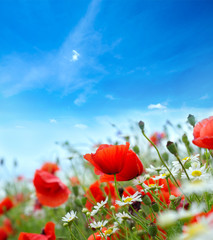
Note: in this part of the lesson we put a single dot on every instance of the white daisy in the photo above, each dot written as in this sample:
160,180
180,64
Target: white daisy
122,216
200,230
98,225
169,218
155,170
108,232
69,217
129,199
196,172
177,165
198,186
98,206
151,187
139,180
166,174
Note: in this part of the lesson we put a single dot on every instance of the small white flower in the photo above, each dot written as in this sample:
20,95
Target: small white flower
166,174
99,206
178,166
196,172
130,199
198,186
108,232
122,216
69,217
155,170
151,187
98,225
139,180
200,230
168,218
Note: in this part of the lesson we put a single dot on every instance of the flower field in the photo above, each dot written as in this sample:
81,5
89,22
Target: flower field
127,190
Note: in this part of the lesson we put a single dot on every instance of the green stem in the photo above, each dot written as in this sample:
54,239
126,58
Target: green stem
179,160
116,187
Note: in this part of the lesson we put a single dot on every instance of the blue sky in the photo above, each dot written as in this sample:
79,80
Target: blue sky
68,68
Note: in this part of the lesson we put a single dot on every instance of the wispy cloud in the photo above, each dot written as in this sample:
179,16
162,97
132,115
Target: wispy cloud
53,121
204,97
81,126
64,69
110,97
156,106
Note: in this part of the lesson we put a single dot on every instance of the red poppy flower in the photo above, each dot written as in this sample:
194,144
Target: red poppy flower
164,192
156,138
50,190
74,181
3,234
5,205
132,168
109,159
47,234
95,194
203,133
50,167
7,225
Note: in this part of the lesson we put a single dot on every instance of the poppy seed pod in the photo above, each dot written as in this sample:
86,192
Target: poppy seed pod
172,148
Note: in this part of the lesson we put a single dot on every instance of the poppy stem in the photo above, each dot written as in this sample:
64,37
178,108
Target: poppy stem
164,163
116,187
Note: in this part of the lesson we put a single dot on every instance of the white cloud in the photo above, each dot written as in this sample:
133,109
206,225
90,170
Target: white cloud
53,120
56,70
109,96
75,56
204,97
81,126
156,106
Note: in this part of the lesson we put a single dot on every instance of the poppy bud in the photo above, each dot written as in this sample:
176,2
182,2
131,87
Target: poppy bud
185,139
83,201
78,202
191,120
136,149
75,190
155,207
141,125
172,148
146,200
152,229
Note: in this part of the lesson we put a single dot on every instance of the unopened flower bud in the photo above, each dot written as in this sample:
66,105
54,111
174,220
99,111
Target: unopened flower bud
112,207
191,120
172,198
155,207
88,214
133,228
141,125
172,148
185,139
85,210
75,190
152,229
146,200
65,224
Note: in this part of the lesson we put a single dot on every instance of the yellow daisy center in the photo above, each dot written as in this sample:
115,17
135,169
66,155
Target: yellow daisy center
108,232
196,173
185,159
129,199
194,230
